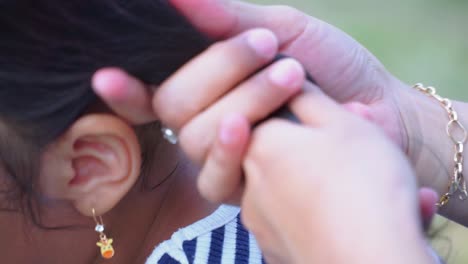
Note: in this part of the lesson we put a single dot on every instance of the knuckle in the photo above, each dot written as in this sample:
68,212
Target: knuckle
174,110
225,48
212,195
213,182
286,11
260,148
195,143
363,66
236,50
207,190
293,21
265,134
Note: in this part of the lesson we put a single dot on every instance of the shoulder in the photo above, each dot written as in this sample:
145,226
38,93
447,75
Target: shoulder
218,238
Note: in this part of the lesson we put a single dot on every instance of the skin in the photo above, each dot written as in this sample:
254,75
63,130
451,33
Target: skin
74,184
97,166
348,72
356,78
275,182
343,69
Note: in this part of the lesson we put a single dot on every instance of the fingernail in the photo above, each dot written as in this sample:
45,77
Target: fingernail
227,133
263,42
99,83
110,83
287,73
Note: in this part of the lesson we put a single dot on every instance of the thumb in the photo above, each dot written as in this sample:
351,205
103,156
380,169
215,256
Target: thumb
234,17
339,64
208,11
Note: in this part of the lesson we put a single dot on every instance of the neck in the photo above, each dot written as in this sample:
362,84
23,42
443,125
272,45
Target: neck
178,205
141,221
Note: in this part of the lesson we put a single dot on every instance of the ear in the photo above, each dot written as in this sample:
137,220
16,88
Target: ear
93,165
99,244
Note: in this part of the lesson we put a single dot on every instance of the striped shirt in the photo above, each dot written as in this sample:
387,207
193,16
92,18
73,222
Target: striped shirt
218,238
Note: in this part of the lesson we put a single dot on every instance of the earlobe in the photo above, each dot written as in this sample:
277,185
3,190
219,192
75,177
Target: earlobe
94,164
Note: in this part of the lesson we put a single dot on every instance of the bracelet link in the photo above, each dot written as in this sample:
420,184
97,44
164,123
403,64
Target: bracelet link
457,182
443,200
458,157
451,126
453,116
459,147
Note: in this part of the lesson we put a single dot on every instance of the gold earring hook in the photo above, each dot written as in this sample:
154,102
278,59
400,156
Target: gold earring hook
99,223
97,219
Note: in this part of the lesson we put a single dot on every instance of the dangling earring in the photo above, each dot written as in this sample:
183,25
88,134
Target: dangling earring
107,251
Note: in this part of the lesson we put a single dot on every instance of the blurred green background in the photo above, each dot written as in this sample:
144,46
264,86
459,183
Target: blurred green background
418,41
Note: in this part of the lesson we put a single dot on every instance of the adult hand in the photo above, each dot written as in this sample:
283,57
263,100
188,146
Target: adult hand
193,100
343,68
351,75
333,190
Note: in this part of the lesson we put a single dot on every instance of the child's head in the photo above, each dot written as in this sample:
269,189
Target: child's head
56,138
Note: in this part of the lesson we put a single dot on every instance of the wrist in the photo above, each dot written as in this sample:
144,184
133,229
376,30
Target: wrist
429,148
426,143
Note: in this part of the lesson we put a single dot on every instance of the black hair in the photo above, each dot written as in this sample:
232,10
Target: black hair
50,49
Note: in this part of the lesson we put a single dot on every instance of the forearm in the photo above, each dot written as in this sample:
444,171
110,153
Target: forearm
430,148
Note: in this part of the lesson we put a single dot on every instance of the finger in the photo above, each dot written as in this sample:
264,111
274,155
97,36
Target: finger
339,64
233,17
360,109
221,175
378,116
272,143
255,99
427,204
211,74
125,95
315,108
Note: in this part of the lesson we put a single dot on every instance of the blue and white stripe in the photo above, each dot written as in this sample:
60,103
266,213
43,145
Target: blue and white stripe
218,239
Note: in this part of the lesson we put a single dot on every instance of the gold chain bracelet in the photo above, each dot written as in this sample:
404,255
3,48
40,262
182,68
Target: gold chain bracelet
458,183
